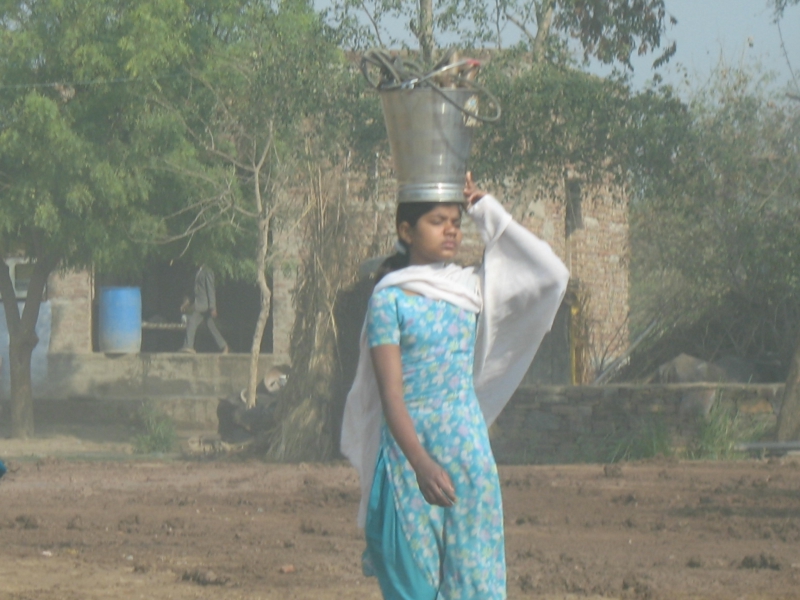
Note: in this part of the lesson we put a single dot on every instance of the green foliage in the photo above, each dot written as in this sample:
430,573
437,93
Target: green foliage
556,116
780,6
158,434
612,30
649,439
642,438
265,78
719,434
74,165
714,238
74,71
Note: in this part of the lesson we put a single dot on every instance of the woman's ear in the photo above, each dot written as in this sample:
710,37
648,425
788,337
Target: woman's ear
404,232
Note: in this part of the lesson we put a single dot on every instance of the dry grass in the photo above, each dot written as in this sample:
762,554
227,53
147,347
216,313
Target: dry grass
333,248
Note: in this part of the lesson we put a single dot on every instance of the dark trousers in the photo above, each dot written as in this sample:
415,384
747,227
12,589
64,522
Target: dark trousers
195,319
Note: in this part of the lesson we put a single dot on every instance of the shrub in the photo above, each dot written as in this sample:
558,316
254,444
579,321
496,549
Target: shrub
719,434
650,439
159,431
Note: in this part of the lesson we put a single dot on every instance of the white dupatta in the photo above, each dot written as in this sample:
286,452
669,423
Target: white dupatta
516,292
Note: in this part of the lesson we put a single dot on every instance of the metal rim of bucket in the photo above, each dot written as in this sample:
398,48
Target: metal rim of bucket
430,192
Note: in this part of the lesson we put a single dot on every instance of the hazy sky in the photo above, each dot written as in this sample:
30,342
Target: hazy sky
708,30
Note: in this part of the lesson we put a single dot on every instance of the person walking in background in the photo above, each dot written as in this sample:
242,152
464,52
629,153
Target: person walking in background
442,350
205,310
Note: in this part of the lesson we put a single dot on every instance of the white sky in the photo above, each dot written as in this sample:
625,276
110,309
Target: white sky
711,30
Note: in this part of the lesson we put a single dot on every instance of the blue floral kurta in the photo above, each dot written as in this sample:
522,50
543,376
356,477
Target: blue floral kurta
459,550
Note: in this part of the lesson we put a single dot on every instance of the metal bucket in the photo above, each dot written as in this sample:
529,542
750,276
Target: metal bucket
430,138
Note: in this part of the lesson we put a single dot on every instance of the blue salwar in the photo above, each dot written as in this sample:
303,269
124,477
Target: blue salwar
388,552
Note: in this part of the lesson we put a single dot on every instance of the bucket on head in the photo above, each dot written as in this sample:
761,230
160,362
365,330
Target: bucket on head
120,326
430,137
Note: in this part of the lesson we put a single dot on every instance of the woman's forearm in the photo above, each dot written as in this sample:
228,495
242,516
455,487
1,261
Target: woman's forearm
389,373
405,434
434,482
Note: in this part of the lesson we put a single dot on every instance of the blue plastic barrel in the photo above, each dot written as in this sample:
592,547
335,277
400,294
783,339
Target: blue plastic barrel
120,327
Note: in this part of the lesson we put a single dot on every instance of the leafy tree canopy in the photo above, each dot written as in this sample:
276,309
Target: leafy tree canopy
610,31
264,78
780,6
72,155
556,117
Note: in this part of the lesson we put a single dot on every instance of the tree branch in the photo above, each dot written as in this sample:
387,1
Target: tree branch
522,27
374,23
786,56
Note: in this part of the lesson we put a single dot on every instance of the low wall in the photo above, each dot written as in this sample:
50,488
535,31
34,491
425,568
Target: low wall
557,424
109,387
540,425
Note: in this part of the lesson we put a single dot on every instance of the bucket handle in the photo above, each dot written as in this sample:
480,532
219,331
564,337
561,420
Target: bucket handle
478,89
382,60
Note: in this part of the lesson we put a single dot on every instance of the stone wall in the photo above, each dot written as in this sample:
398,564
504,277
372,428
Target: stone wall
187,385
541,425
558,424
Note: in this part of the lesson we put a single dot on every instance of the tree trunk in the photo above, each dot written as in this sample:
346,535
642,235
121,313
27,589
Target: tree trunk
263,313
20,352
425,31
789,419
544,20
22,341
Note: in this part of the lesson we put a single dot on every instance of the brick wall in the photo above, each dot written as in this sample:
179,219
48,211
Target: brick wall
598,261
596,251
594,246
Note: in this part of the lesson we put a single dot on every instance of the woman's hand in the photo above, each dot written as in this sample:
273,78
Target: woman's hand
435,483
471,191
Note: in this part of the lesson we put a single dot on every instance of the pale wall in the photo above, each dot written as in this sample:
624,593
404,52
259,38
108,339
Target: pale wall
70,294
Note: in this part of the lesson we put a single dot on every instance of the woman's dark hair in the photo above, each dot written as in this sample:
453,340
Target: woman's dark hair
407,212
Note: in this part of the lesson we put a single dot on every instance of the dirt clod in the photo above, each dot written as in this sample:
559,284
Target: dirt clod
762,561
202,577
27,522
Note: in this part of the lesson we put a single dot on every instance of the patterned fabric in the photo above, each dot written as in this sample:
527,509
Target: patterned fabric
459,549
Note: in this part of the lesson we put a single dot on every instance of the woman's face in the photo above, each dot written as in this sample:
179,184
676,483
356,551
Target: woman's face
436,237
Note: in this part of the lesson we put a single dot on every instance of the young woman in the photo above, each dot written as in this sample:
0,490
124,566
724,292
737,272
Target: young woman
443,349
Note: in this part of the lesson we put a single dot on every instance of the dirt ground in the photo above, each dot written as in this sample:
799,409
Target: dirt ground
82,519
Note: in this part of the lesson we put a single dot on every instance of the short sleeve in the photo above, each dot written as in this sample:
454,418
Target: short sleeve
383,321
